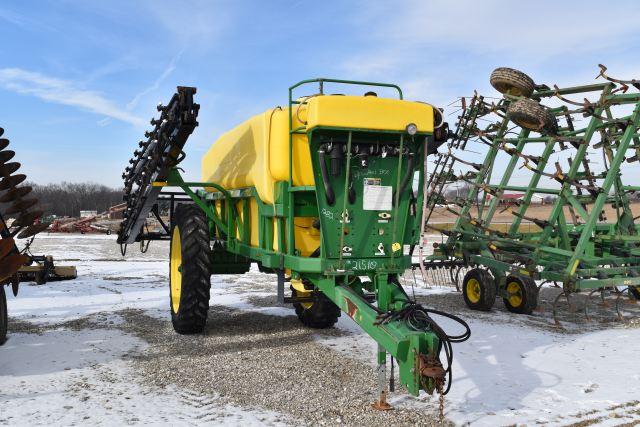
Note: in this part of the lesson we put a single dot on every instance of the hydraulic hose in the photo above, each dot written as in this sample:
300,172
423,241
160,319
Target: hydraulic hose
407,174
328,190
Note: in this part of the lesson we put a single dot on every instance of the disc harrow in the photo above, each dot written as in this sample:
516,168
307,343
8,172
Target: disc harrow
570,146
151,162
14,202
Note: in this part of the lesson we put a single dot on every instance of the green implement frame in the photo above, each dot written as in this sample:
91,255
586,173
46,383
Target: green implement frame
576,244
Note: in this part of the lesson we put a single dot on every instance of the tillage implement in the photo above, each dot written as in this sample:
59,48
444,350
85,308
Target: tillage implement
326,193
19,219
560,162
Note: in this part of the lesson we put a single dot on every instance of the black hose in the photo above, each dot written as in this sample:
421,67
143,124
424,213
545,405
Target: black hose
407,174
328,190
417,317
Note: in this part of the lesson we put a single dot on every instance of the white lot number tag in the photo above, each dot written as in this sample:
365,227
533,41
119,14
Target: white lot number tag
376,197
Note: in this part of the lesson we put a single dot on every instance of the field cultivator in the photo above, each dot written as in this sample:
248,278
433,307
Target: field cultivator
318,193
14,201
577,147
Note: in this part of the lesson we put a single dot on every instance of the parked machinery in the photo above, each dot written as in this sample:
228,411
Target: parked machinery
319,193
570,144
14,201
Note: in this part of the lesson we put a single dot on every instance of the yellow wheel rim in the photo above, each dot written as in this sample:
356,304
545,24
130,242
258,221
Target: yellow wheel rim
301,292
473,290
175,270
514,292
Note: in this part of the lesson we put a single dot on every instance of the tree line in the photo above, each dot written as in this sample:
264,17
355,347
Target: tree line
69,198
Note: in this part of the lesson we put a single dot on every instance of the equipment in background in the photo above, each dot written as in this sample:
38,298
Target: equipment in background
82,225
318,193
573,153
42,270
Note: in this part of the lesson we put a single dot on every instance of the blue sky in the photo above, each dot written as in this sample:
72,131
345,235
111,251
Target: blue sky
79,80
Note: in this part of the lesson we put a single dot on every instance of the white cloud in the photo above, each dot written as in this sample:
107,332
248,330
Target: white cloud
538,28
192,22
172,66
64,92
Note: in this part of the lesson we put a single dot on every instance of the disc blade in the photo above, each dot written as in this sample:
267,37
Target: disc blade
6,246
1,131
4,143
11,181
9,168
6,155
15,193
11,264
21,205
27,219
32,230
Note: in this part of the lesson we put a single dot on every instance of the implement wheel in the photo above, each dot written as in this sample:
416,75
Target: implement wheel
322,313
512,82
3,315
531,115
521,295
189,270
479,290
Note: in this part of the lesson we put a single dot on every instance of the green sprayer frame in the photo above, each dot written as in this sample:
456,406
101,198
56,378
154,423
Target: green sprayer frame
345,270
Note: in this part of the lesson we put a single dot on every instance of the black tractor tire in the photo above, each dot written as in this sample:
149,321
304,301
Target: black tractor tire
531,115
521,295
512,82
192,226
4,318
322,313
479,289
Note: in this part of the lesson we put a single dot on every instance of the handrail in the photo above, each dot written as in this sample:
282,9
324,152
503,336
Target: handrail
322,80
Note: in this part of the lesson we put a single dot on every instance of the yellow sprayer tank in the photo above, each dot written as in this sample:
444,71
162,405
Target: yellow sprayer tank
256,152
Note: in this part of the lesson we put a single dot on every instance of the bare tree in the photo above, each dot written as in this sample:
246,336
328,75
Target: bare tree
69,198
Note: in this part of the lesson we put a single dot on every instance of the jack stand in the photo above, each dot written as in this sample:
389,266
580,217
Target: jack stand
381,404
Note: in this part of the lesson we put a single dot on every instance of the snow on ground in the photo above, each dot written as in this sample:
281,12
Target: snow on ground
66,361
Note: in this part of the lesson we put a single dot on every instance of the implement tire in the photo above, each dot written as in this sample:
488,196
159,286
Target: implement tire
322,313
4,319
479,290
521,295
189,270
531,115
512,82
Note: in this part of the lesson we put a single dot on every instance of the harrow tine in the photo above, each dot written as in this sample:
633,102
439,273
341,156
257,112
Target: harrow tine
32,230
601,292
11,181
4,143
15,193
6,155
21,205
26,219
630,299
9,168
555,306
